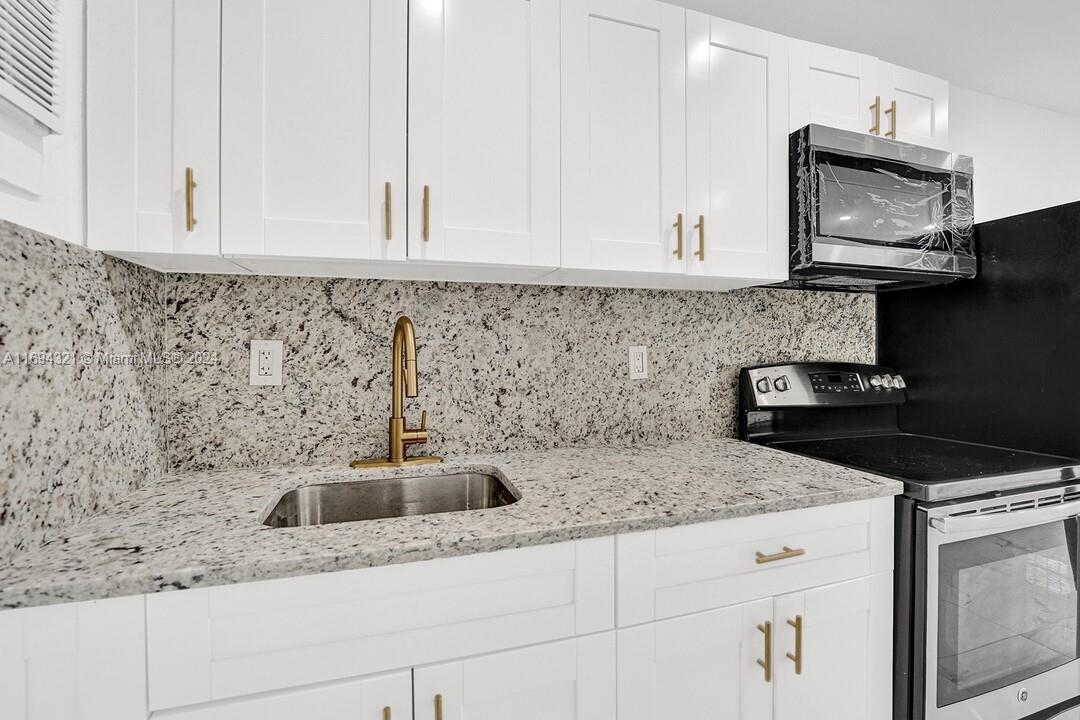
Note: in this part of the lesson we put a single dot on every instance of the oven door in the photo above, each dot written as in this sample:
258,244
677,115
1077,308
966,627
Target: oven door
1002,606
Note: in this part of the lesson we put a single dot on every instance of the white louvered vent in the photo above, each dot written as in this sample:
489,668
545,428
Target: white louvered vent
30,58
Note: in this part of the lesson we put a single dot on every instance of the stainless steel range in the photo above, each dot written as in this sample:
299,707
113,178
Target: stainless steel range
988,543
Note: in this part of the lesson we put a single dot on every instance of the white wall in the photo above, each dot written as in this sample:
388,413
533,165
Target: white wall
58,207
1026,158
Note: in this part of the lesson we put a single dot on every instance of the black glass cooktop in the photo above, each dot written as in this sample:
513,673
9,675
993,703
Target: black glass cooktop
924,462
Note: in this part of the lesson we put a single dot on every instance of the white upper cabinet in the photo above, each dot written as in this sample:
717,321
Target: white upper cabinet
313,128
860,93
736,150
623,135
152,107
484,131
830,86
921,113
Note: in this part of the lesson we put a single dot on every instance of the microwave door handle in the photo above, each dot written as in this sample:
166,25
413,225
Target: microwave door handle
1005,520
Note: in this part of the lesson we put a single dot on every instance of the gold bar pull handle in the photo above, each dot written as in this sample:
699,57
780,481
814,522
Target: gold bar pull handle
438,707
787,552
189,198
426,224
876,108
700,227
891,112
386,710
389,212
797,657
678,236
766,630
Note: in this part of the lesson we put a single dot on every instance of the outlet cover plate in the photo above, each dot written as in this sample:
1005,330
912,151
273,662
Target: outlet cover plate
265,362
639,362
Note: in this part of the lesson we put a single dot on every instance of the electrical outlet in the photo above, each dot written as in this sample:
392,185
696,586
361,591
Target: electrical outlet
265,362
639,362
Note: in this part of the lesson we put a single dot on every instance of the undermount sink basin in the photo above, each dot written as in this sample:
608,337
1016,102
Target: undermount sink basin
389,497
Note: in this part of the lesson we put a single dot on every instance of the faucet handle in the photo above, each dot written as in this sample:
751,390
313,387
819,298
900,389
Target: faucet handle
423,420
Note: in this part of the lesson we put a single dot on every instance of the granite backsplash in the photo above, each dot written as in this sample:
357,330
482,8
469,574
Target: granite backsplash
502,367
81,426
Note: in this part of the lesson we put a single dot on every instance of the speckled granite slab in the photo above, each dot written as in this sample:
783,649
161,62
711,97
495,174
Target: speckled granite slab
199,529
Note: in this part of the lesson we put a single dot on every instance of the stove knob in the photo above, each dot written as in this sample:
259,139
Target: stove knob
875,381
781,384
900,382
763,385
887,381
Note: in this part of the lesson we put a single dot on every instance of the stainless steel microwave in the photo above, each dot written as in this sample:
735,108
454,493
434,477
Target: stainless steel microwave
868,213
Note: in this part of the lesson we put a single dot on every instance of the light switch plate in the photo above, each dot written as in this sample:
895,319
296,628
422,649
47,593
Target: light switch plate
265,362
639,362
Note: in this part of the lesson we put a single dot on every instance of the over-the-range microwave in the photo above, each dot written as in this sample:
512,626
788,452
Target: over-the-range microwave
868,213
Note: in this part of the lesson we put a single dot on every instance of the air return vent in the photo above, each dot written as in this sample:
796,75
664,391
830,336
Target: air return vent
30,58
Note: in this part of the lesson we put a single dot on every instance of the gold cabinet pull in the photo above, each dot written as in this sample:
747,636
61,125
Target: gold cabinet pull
438,707
189,198
797,657
876,108
787,552
891,112
386,710
389,211
678,235
426,229
766,630
700,227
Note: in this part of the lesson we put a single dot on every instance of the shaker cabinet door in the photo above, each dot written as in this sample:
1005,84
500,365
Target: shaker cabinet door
840,667
569,680
737,150
623,135
313,128
922,106
484,131
152,81
699,666
830,86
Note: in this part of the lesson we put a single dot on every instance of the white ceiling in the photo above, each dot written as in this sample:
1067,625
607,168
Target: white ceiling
1022,50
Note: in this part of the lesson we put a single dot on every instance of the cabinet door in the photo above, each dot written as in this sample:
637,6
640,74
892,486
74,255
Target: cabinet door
484,131
571,680
384,697
624,134
829,86
313,128
152,79
698,666
922,106
846,651
737,140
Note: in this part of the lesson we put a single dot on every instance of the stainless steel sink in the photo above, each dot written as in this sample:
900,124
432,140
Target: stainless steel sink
389,497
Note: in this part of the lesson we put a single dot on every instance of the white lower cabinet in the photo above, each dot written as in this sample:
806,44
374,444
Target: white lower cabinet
383,697
570,680
699,666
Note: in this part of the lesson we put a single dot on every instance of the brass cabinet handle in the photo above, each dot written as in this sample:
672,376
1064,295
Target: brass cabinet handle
700,227
766,630
426,229
389,210
386,710
189,198
797,657
876,107
678,235
784,555
891,112
438,707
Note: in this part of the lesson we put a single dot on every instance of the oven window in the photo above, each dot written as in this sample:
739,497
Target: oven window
873,203
1007,608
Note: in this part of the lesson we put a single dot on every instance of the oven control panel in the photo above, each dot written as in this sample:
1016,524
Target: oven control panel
820,384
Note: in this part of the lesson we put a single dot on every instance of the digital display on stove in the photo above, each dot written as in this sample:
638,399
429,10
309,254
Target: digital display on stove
835,382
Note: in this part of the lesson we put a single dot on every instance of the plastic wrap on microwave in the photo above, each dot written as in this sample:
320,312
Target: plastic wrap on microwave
912,203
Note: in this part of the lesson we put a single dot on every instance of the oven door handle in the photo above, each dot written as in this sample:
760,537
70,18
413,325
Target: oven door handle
1005,520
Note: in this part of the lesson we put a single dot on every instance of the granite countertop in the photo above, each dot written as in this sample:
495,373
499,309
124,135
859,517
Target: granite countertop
199,529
